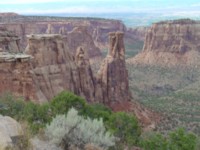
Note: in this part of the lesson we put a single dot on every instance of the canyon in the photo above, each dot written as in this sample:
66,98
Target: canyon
94,31
47,67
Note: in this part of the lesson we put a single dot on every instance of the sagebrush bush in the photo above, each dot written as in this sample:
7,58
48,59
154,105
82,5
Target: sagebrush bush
76,130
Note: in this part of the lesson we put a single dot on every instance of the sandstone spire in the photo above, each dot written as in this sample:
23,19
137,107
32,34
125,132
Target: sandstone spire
87,82
62,31
113,75
50,29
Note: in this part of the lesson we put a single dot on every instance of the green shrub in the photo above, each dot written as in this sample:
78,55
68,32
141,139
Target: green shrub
10,106
154,141
96,111
125,127
66,100
180,140
176,140
36,115
76,130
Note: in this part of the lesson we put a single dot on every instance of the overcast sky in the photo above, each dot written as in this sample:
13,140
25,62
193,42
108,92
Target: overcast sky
98,6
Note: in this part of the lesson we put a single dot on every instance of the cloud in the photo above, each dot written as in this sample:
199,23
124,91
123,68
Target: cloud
195,5
28,1
77,9
66,1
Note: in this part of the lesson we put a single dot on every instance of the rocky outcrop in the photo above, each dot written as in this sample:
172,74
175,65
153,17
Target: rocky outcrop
48,67
54,69
9,42
10,129
15,76
112,78
171,43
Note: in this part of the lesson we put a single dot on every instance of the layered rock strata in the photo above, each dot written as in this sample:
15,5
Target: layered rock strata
97,29
171,43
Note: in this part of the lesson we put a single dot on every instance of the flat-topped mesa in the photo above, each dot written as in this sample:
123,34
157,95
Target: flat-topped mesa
177,36
9,42
171,43
113,75
179,21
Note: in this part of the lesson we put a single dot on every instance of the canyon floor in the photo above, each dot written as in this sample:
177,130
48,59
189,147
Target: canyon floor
172,92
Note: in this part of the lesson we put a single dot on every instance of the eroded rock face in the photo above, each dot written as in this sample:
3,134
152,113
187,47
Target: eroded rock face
171,43
80,36
87,80
16,78
53,67
112,78
9,42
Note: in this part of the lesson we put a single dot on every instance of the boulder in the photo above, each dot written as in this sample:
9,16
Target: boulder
10,129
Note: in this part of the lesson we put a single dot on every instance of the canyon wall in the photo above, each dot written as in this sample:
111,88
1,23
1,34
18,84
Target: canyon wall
171,43
96,28
80,36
